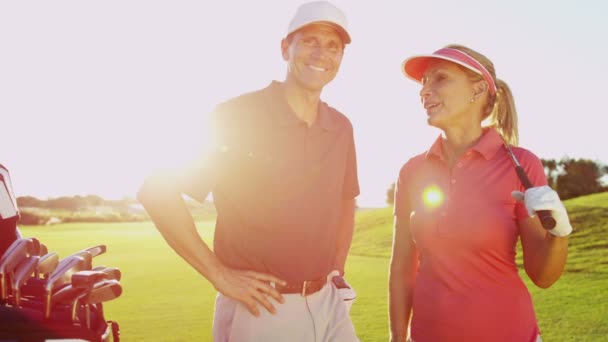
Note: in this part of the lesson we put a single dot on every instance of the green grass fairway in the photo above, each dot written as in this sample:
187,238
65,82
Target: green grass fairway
165,300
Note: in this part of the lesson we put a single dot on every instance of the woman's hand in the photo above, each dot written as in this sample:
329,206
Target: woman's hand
545,198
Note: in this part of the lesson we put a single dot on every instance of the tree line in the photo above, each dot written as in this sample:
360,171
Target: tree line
92,208
72,203
569,177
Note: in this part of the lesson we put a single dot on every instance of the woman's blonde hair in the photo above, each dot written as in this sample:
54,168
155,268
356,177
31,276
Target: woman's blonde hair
500,110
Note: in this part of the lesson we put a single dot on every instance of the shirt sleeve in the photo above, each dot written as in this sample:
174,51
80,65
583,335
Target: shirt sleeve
198,178
351,179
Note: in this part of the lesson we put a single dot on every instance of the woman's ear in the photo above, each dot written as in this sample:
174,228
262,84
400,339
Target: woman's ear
480,87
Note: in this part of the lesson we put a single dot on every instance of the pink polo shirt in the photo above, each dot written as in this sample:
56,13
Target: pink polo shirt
467,286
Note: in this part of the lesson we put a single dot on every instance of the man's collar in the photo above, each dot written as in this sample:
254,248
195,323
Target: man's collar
285,114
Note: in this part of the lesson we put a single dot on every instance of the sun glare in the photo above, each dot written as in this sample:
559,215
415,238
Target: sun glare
433,196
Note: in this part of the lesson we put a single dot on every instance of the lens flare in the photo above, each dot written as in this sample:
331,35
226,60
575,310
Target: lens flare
433,196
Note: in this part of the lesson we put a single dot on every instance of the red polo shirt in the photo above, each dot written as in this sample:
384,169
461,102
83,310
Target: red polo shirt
278,185
464,224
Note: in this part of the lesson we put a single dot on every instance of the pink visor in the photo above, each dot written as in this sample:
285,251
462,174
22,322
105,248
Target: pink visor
414,67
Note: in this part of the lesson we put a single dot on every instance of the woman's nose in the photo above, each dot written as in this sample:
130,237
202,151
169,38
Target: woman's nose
424,91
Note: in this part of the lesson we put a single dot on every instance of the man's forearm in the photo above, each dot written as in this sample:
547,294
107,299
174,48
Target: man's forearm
174,221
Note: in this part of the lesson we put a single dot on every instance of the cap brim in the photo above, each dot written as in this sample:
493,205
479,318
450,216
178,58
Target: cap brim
341,31
415,66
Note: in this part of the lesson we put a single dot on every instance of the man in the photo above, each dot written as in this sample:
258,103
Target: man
284,181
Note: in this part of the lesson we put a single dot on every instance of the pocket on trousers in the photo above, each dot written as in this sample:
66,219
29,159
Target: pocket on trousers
347,292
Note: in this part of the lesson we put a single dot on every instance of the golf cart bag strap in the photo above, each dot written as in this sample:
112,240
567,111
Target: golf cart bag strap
9,215
115,331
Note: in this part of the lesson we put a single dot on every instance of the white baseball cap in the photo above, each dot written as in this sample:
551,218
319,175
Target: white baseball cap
320,12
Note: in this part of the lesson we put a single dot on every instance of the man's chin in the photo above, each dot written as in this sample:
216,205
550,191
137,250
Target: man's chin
313,86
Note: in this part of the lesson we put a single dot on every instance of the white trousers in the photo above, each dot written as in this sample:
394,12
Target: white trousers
320,317
538,339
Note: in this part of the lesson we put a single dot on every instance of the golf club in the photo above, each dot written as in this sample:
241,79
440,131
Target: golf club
82,282
43,249
545,217
95,250
47,264
63,274
21,274
111,272
88,287
34,286
103,291
17,252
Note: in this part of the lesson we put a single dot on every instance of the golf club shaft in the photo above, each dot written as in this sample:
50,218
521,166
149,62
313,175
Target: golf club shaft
546,220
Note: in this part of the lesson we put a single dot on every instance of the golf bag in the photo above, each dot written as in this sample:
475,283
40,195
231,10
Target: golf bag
42,298
26,324
9,215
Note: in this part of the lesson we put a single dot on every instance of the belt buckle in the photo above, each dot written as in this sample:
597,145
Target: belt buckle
304,286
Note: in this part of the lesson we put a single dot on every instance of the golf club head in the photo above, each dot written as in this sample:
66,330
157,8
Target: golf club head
15,254
79,261
95,250
47,264
86,279
87,263
88,287
82,283
67,295
62,275
111,272
36,246
103,291
21,274
29,246
34,287
43,249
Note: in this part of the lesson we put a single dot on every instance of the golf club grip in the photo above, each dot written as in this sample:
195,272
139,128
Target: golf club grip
545,217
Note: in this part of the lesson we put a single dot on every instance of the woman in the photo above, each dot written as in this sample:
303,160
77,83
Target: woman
457,221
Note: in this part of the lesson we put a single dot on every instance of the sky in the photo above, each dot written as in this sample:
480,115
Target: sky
95,95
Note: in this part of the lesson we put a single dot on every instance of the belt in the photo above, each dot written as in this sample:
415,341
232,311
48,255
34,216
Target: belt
304,288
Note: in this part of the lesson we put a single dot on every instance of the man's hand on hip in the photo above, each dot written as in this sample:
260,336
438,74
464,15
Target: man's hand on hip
249,288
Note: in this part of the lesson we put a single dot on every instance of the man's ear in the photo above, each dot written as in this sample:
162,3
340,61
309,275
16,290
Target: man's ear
285,49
